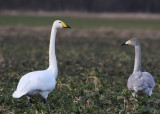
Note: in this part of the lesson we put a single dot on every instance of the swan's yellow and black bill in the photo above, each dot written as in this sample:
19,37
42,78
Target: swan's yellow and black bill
65,26
126,43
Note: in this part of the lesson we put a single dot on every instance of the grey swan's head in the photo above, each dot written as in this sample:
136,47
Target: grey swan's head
132,42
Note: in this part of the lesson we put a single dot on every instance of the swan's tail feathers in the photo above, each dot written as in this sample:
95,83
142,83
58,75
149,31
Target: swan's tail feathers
18,94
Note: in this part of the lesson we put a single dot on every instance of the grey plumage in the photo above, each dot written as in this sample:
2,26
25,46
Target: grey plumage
141,82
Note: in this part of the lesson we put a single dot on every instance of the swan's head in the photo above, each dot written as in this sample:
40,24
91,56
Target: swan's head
132,42
60,24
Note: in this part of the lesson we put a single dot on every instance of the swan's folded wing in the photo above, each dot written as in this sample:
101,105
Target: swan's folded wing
131,81
25,84
147,77
37,80
140,85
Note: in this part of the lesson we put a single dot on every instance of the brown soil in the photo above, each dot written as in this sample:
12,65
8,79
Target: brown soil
88,33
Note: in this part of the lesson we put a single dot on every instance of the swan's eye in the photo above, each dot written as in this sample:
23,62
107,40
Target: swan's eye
59,22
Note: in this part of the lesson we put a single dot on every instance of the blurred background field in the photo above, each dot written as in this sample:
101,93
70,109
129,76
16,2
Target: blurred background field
81,22
93,67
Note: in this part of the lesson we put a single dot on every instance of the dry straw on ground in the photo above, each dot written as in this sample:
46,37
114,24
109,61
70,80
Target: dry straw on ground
88,33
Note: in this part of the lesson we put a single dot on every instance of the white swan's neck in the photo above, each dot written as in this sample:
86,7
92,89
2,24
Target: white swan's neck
137,62
52,55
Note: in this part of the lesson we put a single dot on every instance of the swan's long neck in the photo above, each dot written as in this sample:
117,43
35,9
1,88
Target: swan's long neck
137,62
52,56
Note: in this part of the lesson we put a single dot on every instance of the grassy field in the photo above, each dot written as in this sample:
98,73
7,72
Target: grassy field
93,71
80,23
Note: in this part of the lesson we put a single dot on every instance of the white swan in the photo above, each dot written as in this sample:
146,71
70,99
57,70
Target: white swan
141,82
41,82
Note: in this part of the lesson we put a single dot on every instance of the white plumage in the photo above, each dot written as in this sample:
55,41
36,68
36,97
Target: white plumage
41,82
36,83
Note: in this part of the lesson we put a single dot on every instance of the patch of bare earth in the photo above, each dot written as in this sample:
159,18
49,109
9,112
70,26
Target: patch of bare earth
86,33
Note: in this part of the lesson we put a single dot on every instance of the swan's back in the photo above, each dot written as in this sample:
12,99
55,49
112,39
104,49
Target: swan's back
140,81
35,81
148,78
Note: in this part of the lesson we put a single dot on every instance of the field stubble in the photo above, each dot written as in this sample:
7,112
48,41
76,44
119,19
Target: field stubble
93,70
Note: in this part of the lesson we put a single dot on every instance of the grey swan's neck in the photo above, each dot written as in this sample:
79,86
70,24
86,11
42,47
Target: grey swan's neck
137,62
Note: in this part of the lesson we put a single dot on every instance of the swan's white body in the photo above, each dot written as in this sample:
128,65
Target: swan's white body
36,83
141,82
41,82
